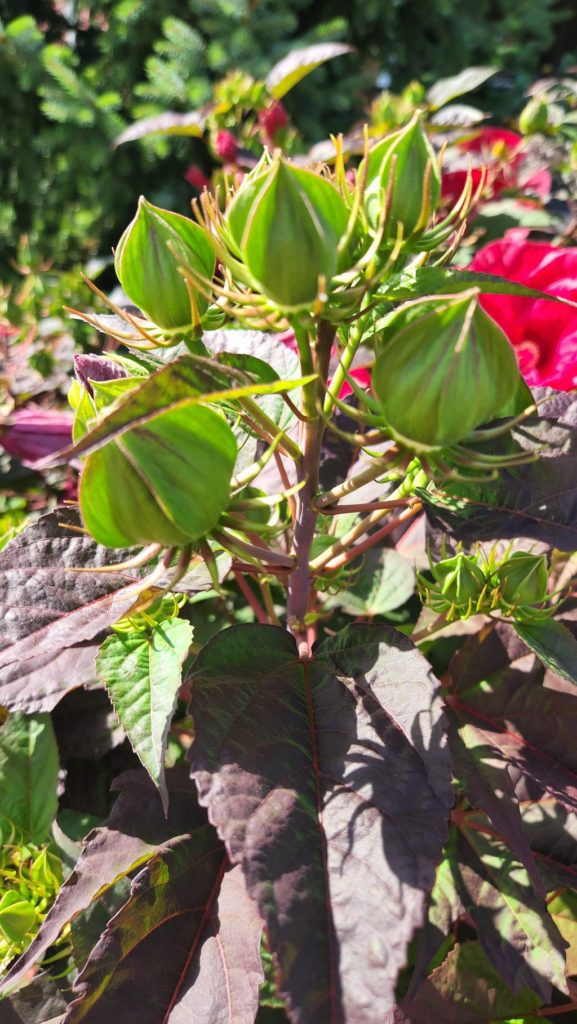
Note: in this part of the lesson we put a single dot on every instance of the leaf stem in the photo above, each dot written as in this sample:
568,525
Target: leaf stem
252,600
260,417
372,472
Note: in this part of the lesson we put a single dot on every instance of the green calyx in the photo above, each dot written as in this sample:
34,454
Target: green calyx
286,224
147,260
444,368
522,579
403,173
459,586
165,482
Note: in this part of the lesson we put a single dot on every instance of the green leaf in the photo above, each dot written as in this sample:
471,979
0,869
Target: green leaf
466,989
417,281
512,922
563,910
142,674
447,89
385,581
28,776
299,63
553,643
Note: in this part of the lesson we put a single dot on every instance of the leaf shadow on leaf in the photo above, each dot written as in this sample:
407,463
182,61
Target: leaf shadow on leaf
329,781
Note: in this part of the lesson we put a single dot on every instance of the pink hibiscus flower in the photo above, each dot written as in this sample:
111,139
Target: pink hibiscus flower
501,152
543,333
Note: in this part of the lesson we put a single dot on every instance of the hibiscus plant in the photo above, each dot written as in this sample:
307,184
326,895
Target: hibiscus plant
332,611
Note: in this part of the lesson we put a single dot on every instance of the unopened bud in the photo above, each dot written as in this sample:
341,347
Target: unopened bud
166,482
461,580
286,224
404,171
522,579
147,262
444,369
534,117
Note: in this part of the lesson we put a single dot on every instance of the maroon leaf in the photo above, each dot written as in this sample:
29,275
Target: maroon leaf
329,781
513,925
489,785
528,726
134,830
184,947
51,614
552,833
490,649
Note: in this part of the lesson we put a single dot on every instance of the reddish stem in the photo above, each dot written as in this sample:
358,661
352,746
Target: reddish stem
261,615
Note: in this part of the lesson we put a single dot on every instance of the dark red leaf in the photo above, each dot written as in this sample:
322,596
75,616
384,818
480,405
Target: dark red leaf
134,830
329,781
526,725
184,947
51,614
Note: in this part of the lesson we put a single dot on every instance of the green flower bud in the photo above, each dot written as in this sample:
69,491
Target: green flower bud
460,579
147,262
286,224
165,482
445,368
534,117
522,579
403,164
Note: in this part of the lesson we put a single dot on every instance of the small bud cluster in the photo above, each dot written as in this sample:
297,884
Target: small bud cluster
31,878
464,585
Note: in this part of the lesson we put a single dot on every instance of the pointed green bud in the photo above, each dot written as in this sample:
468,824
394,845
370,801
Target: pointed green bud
534,117
460,579
404,167
522,579
445,367
286,225
147,262
165,482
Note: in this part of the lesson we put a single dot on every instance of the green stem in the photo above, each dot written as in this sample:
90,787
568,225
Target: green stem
260,417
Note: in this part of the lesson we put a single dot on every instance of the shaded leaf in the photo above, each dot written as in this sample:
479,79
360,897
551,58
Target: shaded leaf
553,643
385,581
466,989
39,1002
28,777
297,64
488,785
489,650
142,673
136,827
167,123
536,500
528,726
444,906
552,833
513,925
186,944
447,89
329,780
52,613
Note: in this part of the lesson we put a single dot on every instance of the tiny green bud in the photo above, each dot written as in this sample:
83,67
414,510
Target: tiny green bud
404,166
522,579
147,262
445,368
167,482
286,224
461,580
534,117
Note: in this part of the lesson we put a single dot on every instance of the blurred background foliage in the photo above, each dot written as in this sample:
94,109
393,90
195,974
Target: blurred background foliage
73,75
